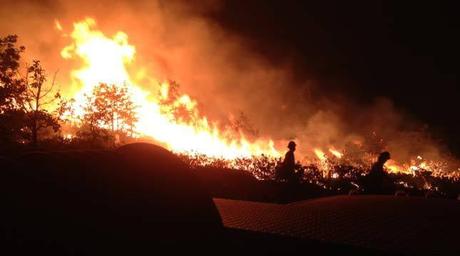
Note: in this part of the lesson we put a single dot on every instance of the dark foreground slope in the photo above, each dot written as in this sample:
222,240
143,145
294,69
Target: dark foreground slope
131,200
142,200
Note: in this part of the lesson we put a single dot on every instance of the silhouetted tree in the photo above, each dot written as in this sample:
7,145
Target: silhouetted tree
94,136
65,111
12,88
24,100
38,95
109,107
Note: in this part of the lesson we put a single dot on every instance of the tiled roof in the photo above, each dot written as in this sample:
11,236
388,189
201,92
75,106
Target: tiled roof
388,223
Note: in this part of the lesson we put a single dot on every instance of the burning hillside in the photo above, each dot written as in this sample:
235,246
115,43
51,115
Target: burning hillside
233,103
105,61
174,119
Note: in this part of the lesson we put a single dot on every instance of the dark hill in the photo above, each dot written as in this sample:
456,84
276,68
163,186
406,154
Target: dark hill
139,198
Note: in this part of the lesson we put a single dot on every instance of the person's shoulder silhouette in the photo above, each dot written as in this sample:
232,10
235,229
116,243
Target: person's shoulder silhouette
377,167
286,169
289,158
377,179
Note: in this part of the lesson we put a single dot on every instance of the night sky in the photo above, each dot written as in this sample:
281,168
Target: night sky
403,50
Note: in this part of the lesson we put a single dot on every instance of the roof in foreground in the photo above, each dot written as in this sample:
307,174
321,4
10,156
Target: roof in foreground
388,223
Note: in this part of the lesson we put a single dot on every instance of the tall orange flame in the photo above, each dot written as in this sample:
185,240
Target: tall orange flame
106,60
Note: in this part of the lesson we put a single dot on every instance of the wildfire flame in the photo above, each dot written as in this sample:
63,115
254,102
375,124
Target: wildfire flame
336,153
106,60
320,154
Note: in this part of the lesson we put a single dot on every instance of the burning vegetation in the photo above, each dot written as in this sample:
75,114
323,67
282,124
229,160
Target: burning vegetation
111,108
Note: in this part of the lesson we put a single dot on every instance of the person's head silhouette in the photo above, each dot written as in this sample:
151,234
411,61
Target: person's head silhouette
291,145
384,156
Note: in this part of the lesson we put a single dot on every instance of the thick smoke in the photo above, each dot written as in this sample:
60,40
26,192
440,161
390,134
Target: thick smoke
174,41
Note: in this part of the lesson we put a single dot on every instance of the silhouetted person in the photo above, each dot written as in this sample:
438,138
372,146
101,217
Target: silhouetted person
289,159
287,167
287,171
378,180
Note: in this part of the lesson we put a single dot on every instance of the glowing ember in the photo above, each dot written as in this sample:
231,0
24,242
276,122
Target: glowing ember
57,25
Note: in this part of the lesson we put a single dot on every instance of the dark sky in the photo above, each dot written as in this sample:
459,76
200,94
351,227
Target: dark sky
403,50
